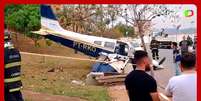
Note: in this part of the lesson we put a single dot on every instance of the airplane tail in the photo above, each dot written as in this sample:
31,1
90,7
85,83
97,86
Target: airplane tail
49,21
46,12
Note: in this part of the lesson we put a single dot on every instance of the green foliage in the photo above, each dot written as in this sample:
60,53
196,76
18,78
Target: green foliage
23,19
125,30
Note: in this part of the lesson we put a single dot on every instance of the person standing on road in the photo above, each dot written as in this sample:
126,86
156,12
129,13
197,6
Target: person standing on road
176,58
140,85
184,86
184,44
12,79
190,40
154,45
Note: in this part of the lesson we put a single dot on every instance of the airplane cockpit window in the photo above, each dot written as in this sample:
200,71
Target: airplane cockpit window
110,45
122,49
98,42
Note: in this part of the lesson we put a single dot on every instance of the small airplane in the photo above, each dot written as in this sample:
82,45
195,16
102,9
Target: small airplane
116,52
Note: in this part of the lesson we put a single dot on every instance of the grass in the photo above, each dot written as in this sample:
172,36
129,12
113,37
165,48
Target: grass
35,77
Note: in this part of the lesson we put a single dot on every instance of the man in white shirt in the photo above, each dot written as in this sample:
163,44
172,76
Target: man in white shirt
184,86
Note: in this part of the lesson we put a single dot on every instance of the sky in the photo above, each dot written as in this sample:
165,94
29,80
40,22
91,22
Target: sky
185,22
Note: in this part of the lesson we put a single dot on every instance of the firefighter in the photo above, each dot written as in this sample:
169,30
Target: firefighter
154,45
12,80
184,45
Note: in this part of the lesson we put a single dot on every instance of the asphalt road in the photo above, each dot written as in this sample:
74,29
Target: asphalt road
162,76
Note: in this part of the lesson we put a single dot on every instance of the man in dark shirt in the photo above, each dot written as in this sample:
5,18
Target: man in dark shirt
140,85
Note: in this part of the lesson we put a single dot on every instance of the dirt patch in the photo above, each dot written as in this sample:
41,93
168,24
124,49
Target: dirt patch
36,96
118,93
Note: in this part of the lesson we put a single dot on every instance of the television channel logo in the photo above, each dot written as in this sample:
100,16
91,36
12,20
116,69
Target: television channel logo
188,13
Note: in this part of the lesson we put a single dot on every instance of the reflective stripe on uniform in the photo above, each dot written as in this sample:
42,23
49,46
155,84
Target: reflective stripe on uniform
12,79
15,89
5,37
11,47
9,65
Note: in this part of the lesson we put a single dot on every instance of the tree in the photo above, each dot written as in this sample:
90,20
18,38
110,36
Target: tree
125,30
112,13
88,19
76,17
141,16
23,19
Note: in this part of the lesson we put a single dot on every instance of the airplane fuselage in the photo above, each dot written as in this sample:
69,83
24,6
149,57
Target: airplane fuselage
87,44
79,46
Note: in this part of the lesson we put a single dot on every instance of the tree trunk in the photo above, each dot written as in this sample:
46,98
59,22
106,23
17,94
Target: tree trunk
142,37
16,37
143,43
76,30
35,43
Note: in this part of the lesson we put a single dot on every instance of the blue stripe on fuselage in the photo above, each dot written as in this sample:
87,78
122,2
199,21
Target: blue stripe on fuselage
84,48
